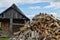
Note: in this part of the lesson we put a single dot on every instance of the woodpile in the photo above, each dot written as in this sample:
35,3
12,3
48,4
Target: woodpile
46,25
42,27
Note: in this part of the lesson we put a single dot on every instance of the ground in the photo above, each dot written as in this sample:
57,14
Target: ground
4,38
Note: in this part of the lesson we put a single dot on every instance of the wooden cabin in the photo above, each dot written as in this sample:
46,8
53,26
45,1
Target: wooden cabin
12,19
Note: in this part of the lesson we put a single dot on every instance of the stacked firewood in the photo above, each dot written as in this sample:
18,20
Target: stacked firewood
46,25
42,27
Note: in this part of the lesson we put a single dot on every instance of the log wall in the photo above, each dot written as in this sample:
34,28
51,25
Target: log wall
5,27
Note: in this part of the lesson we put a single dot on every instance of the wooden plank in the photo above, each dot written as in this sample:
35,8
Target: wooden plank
17,24
11,21
25,21
11,26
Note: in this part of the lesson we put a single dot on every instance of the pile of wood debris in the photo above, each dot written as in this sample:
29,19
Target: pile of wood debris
46,25
42,27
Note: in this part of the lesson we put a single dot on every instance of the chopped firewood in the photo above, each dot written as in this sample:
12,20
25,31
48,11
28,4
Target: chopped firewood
47,25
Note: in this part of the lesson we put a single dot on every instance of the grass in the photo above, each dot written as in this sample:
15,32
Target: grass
4,38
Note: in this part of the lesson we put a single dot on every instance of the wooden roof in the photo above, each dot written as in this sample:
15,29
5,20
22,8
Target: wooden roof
15,8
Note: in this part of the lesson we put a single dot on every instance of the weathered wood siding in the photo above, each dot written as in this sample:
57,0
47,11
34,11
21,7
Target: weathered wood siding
12,19
12,13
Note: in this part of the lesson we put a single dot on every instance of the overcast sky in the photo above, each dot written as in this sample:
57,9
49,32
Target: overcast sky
32,7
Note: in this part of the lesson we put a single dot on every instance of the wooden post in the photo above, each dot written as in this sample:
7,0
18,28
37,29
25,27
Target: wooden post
11,20
25,21
11,24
